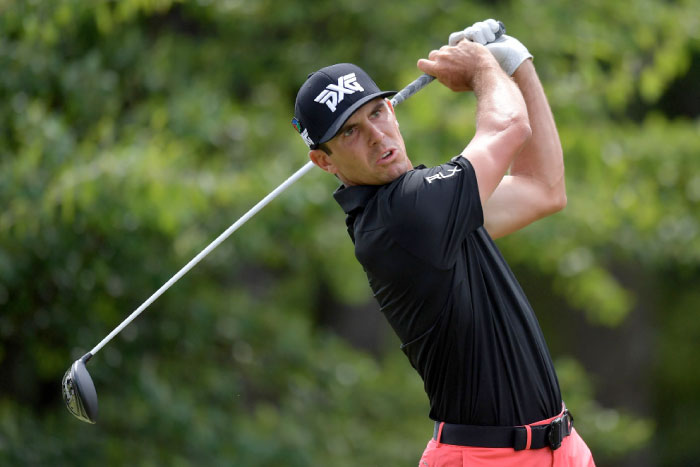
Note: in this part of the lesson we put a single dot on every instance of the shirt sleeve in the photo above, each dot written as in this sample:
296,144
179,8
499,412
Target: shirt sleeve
431,211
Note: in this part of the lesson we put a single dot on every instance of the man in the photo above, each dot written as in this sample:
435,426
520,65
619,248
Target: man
424,238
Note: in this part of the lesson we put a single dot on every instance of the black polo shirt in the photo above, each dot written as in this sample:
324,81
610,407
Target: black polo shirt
463,320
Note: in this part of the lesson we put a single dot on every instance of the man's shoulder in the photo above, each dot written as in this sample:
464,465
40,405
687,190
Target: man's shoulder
416,195
422,176
425,182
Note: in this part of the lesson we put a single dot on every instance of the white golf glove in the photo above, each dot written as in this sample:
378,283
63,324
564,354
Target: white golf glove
508,51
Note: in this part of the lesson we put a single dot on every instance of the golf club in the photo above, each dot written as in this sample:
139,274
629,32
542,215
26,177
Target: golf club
78,389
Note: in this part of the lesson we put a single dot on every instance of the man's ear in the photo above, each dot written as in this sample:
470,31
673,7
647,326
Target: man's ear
323,160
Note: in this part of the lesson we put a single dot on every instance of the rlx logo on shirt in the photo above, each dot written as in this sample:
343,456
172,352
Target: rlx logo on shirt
442,176
334,93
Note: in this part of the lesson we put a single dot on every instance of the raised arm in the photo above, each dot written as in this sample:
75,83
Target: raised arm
501,119
535,186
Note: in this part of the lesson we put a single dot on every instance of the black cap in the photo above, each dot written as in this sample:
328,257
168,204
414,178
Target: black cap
328,98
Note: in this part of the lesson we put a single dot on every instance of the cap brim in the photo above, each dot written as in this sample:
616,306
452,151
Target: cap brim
340,121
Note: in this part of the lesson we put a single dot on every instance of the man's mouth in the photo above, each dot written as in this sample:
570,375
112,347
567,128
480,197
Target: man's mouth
385,156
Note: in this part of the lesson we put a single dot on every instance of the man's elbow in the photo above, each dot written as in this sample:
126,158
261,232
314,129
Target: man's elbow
559,188
513,136
520,130
559,202
550,198
512,130
555,201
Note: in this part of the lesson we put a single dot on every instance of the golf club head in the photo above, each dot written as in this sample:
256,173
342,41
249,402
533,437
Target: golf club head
79,391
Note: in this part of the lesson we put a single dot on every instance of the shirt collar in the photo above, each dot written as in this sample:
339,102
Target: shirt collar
351,198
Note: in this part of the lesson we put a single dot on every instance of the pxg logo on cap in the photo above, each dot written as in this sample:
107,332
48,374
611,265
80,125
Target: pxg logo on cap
335,93
328,98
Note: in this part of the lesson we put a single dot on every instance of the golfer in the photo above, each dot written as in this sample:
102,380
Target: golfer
424,238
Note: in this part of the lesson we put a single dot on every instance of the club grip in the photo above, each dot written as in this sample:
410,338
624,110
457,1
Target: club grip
425,79
415,86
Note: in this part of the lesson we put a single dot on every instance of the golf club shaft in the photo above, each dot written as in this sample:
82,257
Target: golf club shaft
254,210
415,86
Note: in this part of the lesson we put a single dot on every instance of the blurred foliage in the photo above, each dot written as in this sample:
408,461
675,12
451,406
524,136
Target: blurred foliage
134,132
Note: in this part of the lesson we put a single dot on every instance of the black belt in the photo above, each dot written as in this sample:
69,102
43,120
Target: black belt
516,437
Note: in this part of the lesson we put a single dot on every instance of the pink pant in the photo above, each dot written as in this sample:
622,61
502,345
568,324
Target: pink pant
572,453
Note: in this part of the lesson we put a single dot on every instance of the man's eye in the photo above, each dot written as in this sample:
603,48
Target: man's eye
349,131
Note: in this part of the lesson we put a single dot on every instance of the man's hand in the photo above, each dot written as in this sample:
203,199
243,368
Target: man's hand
507,50
457,67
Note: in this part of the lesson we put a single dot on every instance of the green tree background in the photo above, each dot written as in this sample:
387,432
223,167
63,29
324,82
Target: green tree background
133,132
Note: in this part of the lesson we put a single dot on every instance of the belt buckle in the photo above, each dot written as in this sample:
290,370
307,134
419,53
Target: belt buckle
559,429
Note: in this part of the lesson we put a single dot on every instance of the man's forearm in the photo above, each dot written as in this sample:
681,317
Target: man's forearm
502,128
499,104
541,158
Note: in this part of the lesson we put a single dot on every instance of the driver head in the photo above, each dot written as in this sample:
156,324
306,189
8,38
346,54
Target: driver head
79,392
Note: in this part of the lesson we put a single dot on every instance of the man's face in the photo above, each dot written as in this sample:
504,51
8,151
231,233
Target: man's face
368,149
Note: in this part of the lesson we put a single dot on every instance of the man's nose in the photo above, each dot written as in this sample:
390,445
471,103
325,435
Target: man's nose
374,134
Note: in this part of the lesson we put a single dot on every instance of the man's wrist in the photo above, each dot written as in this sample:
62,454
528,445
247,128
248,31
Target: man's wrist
525,71
488,72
